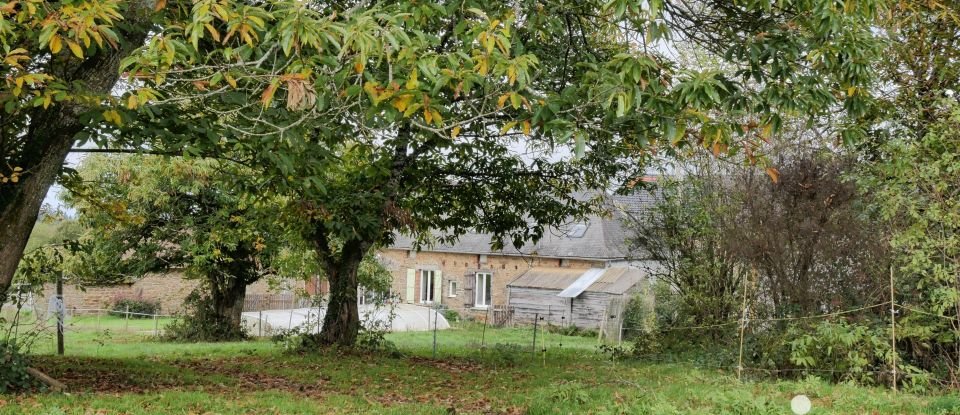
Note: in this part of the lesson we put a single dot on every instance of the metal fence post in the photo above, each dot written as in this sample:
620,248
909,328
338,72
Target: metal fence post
536,318
483,334
260,323
126,326
156,325
436,317
61,308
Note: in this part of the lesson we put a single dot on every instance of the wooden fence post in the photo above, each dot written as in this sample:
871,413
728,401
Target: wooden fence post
893,332
743,326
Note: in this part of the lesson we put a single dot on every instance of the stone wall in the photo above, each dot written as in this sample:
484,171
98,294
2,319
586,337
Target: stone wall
458,268
170,289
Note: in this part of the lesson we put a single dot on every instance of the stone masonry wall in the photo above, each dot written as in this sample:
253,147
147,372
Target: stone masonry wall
170,289
457,267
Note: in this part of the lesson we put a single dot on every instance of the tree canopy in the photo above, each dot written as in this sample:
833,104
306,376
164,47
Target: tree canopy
155,214
410,116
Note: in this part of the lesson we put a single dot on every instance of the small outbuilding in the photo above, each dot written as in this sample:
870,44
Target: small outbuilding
593,298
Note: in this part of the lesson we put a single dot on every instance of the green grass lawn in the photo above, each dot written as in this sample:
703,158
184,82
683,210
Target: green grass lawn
133,374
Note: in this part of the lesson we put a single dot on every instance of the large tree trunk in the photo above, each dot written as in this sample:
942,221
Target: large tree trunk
51,135
342,320
228,301
20,206
341,324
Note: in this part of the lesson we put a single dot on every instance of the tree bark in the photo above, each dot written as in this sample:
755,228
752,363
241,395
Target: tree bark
341,323
228,297
20,206
50,136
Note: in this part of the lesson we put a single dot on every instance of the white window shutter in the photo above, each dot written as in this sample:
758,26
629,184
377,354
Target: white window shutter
437,286
411,284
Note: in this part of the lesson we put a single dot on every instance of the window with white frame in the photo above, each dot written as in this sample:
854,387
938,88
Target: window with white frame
483,292
426,286
452,289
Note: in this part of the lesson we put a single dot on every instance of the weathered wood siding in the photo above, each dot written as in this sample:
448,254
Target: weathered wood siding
588,310
527,303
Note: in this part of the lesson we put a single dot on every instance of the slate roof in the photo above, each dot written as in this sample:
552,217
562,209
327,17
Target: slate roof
601,237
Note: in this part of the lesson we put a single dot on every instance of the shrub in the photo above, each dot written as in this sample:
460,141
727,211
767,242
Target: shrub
122,304
451,315
507,354
13,368
201,323
639,317
847,351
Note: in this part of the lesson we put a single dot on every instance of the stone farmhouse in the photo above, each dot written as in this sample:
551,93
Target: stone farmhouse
582,274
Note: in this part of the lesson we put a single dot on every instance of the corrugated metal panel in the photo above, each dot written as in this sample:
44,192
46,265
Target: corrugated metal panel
582,283
549,278
617,280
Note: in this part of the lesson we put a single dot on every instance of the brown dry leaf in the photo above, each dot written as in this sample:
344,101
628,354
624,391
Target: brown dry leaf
774,174
300,95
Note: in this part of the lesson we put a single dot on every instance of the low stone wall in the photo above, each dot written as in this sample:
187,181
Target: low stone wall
170,290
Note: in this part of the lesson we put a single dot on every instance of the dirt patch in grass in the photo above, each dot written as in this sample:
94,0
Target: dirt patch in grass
212,375
255,374
449,383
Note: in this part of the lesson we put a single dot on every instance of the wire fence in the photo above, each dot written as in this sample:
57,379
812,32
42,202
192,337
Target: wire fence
85,321
539,333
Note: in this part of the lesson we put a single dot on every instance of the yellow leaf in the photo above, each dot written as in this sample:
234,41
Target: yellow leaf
766,131
401,102
437,118
482,66
213,32
508,126
852,90
502,100
455,132
526,127
160,5
774,174
427,115
132,101
113,117
412,82
230,80
75,48
267,95
56,44
515,100
358,67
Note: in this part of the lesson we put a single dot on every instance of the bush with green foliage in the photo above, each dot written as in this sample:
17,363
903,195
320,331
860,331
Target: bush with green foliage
639,315
835,350
201,323
135,306
13,368
506,354
451,315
